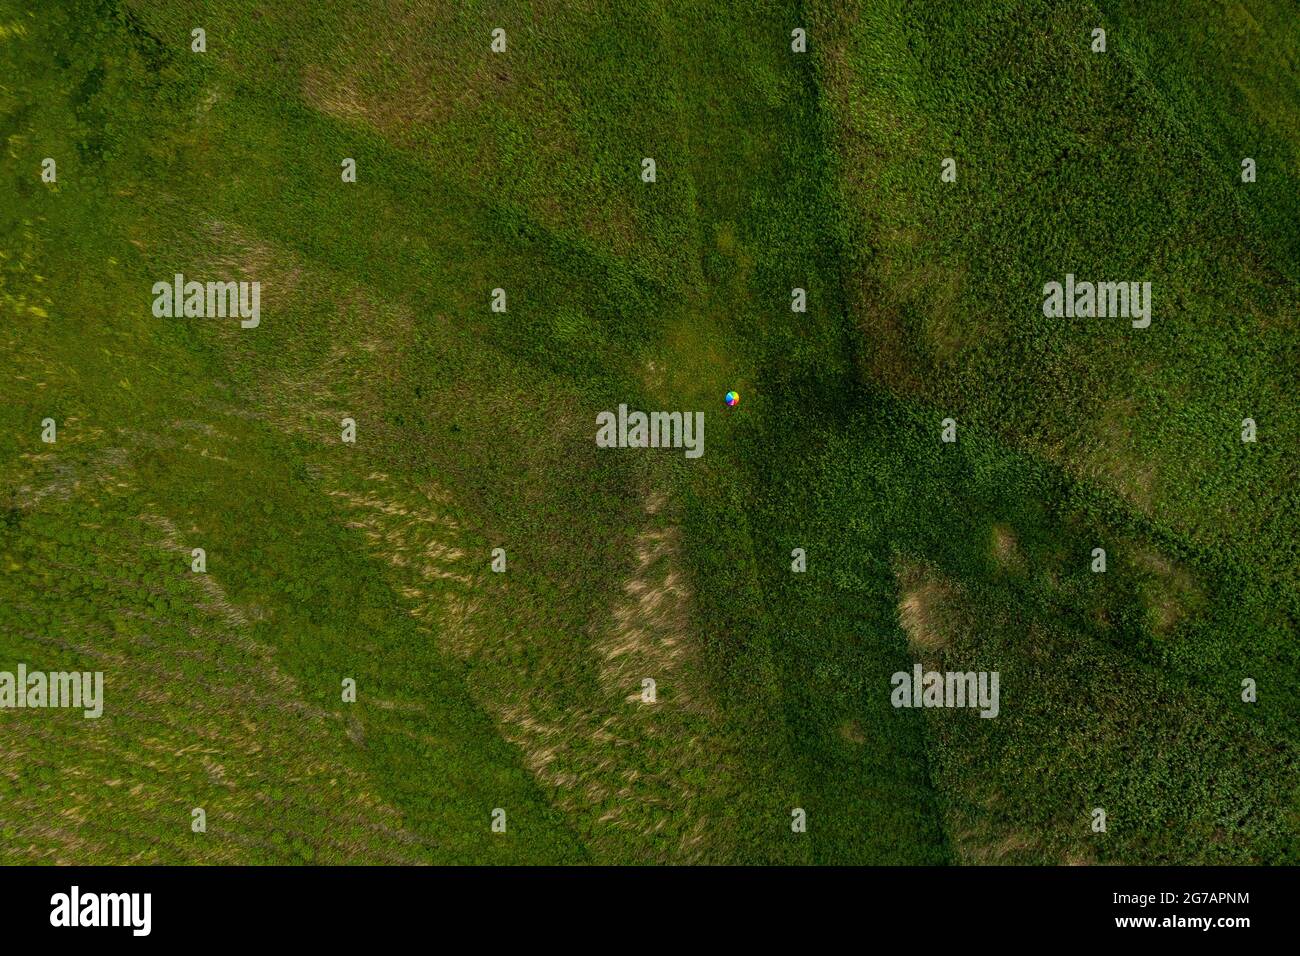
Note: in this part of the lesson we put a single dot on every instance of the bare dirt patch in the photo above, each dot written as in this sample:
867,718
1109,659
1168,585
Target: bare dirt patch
1173,593
1006,551
925,607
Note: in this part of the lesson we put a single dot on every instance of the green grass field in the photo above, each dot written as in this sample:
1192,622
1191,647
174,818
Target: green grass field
522,691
